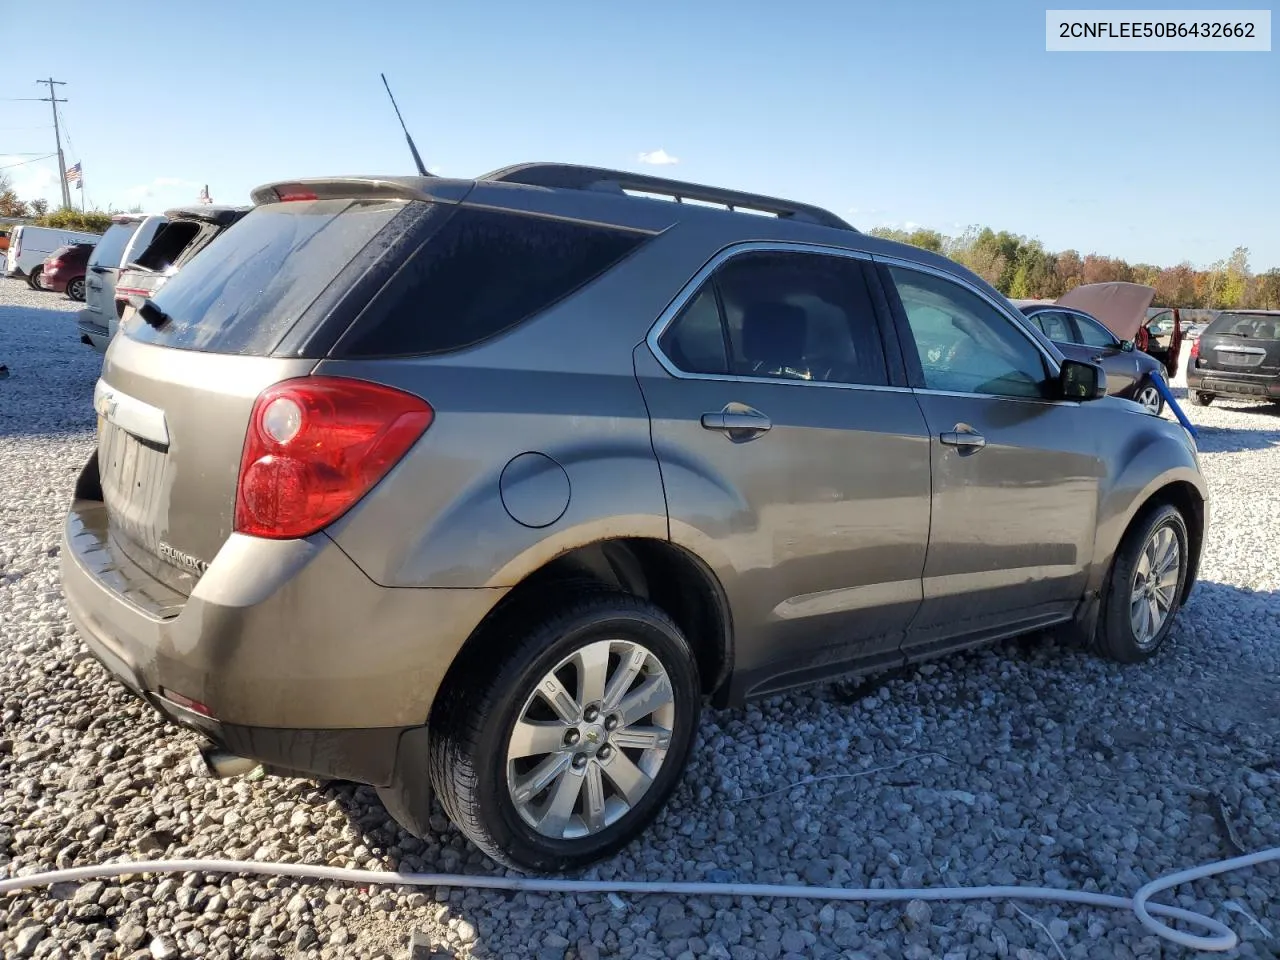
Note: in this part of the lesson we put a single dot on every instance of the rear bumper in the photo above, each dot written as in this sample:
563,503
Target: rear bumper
1225,384
301,661
55,281
92,332
15,272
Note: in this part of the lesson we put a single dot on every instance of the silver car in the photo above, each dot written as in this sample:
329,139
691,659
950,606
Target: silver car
483,487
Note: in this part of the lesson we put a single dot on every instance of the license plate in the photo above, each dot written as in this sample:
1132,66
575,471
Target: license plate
1237,359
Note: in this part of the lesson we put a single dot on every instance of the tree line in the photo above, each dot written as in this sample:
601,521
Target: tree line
67,218
1022,269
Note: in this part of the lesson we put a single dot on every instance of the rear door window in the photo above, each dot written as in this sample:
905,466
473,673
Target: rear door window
1055,325
481,273
253,283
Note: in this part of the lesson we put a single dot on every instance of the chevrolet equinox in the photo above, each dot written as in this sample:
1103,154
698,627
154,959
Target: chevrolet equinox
480,488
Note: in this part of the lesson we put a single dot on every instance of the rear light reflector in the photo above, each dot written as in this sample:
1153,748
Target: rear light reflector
1195,350
315,446
195,706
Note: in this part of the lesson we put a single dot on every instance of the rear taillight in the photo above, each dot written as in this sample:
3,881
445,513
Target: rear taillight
315,446
1195,350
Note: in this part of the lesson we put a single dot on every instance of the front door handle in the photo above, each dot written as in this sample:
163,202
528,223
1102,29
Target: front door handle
966,439
1097,359
738,422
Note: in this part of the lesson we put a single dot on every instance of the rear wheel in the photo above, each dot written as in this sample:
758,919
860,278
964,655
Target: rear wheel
1201,399
75,289
1144,590
560,751
33,278
1150,398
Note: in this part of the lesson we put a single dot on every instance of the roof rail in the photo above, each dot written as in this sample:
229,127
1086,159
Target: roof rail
572,177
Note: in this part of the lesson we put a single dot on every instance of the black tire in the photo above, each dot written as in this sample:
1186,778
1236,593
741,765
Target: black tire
1115,637
1199,398
477,709
75,289
33,278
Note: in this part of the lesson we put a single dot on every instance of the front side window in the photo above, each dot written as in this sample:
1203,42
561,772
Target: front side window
782,315
965,345
1093,334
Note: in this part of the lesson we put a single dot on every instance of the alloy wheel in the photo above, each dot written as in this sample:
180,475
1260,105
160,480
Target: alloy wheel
590,739
1149,397
1155,584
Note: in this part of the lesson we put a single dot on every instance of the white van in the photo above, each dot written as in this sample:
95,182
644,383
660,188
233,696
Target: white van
128,235
29,246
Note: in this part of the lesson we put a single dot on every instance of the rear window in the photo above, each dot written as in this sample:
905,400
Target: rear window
1255,326
250,285
111,247
168,243
481,273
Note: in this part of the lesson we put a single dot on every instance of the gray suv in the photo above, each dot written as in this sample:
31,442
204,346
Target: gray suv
481,488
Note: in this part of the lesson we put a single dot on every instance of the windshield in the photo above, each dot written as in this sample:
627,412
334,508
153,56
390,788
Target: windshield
1255,326
250,285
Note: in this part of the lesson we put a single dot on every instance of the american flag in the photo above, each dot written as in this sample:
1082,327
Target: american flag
74,176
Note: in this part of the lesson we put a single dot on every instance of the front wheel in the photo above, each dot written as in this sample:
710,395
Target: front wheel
1144,590
1201,399
560,749
1150,399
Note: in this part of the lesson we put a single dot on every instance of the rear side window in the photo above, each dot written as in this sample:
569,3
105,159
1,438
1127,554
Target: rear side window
481,273
248,288
111,247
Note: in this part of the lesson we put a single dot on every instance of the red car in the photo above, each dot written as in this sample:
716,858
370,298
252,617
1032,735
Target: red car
64,270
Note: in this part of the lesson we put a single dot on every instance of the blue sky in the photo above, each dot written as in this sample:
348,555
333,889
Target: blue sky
938,114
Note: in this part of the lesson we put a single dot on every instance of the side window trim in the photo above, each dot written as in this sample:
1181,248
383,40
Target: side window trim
915,369
706,272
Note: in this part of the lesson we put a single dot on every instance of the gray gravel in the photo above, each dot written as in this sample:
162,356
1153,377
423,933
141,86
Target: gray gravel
1029,762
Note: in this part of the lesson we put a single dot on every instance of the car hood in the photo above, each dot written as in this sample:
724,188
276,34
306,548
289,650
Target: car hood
1120,307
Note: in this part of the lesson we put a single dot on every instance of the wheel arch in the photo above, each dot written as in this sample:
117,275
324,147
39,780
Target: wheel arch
670,576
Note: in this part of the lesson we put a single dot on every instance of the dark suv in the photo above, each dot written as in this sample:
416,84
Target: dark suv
1238,355
484,486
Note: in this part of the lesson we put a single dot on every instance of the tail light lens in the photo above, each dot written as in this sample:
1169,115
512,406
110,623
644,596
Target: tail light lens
1195,350
315,446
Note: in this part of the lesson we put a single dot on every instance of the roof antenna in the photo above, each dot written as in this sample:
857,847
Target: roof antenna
422,170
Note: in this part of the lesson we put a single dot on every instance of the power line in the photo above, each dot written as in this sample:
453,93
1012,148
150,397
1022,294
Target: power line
47,156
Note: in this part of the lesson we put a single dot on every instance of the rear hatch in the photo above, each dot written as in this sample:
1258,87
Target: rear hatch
179,383
1241,346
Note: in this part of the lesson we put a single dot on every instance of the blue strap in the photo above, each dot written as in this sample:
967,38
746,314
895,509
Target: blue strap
1157,378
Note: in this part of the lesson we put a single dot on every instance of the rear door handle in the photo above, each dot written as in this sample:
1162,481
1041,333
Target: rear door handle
966,440
738,422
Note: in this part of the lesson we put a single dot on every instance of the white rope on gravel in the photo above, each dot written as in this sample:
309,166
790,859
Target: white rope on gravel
1221,937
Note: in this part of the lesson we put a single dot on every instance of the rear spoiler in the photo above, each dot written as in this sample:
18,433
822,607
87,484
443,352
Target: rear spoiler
362,188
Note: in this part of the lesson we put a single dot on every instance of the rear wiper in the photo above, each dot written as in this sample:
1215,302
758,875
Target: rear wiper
149,312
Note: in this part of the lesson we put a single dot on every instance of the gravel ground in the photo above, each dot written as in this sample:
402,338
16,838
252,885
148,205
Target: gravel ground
1029,762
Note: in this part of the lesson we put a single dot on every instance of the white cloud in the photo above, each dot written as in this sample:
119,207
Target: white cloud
658,158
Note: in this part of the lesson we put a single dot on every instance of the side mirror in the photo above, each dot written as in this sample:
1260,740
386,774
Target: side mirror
1126,346
1082,381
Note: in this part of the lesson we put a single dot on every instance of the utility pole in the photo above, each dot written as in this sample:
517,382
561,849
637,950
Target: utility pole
53,102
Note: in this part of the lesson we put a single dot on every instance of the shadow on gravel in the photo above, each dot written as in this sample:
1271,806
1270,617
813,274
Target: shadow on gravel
49,389
1230,440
